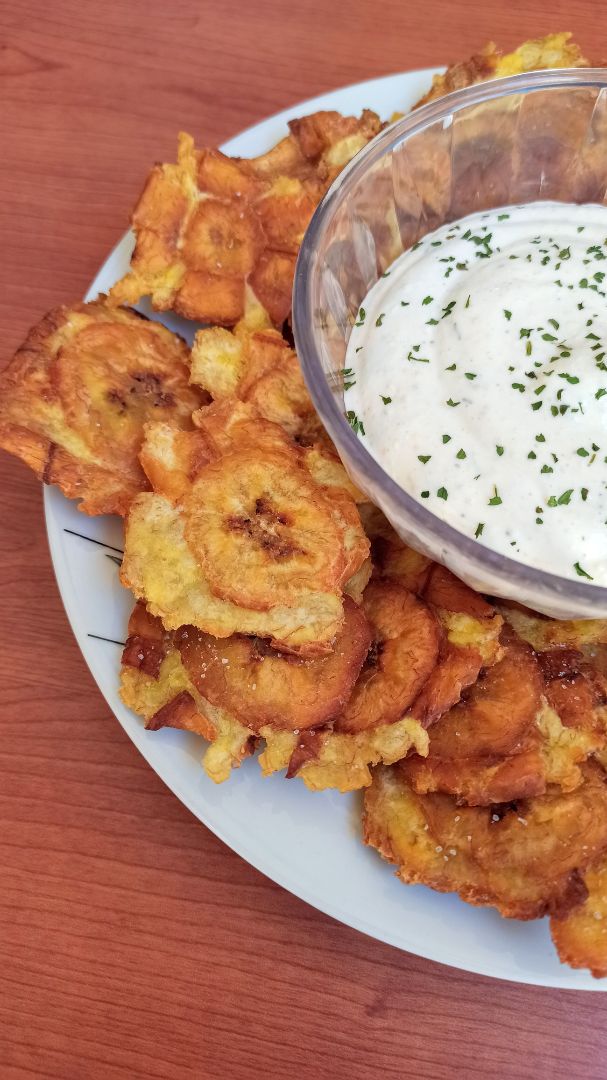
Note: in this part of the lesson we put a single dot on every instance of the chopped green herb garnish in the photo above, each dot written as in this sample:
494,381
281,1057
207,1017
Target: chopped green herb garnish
499,450
380,318
461,454
479,529
356,424
442,493
581,572
424,458
495,498
386,400
427,300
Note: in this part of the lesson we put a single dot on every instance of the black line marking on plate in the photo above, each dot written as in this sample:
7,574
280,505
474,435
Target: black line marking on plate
114,559
112,641
92,540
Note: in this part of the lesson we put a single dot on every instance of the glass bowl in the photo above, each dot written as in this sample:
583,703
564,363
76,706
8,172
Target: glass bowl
517,140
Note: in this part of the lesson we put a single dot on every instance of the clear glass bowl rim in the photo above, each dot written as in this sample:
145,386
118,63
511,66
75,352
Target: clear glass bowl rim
350,447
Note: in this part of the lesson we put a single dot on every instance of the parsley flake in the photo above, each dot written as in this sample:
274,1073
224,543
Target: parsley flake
581,572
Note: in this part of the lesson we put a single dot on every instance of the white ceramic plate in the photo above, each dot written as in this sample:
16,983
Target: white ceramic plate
308,843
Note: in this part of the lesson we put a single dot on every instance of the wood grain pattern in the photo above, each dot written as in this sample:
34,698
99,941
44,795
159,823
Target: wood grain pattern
132,942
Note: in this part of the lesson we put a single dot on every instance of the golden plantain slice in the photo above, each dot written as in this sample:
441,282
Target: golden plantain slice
261,687
552,51
266,517
516,733
471,626
402,642
332,759
457,669
404,651
391,556
76,396
259,367
544,633
525,858
239,537
160,568
217,237
581,936
155,685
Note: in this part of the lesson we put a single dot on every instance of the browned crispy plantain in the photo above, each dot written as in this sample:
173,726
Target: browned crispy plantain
217,237
525,858
76,396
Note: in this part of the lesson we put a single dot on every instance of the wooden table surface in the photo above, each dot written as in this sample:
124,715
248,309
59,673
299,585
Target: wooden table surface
132,942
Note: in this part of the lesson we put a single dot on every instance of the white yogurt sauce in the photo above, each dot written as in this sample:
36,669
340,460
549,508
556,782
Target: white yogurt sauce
476,374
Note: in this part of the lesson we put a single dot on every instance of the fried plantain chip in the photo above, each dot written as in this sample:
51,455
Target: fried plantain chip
525,858
217,237
471,626
498,712
269,520
332,759
155,685
552,51
404,651
581,936
457,669
76,396
541,732
240,537
261,687
160,568
391,556
402,639
259,367
544,633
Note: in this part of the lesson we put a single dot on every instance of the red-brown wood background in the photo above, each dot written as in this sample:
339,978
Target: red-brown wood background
132,942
